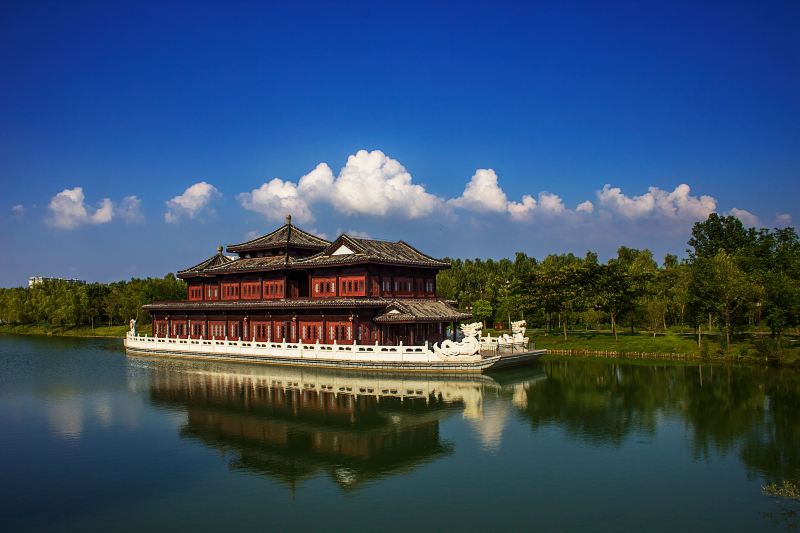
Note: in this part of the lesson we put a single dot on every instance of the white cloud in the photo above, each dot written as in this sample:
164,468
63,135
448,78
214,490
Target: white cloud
522,210
747,218
129,209
317,184
551,203
483,194
547,204
191,203
783,220
615,200
684,205
18,210
68,210
678,204
354,233
370,183
104,213
276,199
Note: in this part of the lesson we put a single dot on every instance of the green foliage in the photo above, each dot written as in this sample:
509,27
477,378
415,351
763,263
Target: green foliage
482,310
734,279
58,303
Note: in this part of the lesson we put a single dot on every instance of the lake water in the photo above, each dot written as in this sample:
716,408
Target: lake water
93,440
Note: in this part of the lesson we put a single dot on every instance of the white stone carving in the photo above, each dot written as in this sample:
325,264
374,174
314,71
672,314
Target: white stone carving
473,329
469,346
517,337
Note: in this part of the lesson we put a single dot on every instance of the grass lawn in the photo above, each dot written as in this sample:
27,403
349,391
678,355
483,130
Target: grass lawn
604,341
747,347
72,331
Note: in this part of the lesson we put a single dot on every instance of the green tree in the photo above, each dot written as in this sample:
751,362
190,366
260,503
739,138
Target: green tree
719,233
482,310
732,290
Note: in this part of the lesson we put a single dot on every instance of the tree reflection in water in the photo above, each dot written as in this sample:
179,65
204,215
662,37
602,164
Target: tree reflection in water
294,424
750,411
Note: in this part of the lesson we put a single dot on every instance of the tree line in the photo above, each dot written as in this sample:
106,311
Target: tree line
67,303
733,277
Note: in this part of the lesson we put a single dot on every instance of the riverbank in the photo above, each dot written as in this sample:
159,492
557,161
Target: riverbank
71,331
751,348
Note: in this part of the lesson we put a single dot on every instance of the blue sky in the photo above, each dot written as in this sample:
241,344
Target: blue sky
135,138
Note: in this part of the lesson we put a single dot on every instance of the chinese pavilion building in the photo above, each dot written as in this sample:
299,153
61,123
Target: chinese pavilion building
292,286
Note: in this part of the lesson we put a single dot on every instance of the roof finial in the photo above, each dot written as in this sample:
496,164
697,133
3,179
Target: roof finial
219,249
288,219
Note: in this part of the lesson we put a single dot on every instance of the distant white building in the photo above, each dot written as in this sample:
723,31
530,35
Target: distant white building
38,280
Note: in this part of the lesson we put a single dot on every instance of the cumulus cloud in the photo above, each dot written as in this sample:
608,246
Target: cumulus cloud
551,203
354,233
317,184
275,199
483,194
129,209
783,220
370,183
68,210
18,210
747,218
547,204
678,204
522,210
194,200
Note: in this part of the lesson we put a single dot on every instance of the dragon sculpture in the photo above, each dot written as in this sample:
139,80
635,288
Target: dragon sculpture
469,346
517,336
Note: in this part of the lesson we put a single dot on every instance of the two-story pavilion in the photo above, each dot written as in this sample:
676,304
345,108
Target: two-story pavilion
291,285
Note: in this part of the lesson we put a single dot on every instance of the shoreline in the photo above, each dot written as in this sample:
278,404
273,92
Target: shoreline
119,332
100,332
624,354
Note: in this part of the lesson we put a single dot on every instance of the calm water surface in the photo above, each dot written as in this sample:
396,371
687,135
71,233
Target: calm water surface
93,440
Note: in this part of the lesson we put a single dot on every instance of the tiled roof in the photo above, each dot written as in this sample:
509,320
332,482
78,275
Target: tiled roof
218,260
287,235
421,311
250,264
395,311
369,250
290,303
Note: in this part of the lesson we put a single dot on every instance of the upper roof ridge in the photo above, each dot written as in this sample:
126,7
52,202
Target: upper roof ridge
285,236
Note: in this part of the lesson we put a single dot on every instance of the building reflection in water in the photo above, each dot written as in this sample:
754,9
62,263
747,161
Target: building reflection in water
293,424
